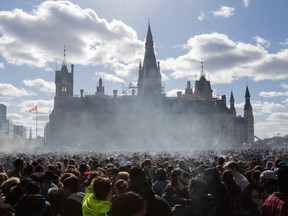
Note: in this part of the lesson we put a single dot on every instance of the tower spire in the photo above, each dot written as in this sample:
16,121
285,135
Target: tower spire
248,116
232,103
247,105
149,80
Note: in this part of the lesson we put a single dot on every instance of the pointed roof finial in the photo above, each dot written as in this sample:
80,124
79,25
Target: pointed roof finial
247,93
202,67
64,63
232,97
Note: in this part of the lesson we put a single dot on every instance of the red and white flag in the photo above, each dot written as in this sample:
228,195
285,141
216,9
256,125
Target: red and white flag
34,109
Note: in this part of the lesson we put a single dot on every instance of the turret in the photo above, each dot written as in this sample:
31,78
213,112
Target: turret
188,90
203,89
100,88
64,79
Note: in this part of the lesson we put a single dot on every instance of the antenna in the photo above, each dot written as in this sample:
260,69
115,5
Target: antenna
64,52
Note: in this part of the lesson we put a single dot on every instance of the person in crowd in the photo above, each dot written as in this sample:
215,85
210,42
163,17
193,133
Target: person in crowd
276,203
16,191
123,175
7,185
156,206
128,204
146,165
48,183
234,192
6,209
120,187
269,179
160,184
17,171
199,202
218,189
240,180
73,197
176,189
96,201
32,202
253,195
3,177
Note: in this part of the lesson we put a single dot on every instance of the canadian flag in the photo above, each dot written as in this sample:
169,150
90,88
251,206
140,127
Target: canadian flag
34,109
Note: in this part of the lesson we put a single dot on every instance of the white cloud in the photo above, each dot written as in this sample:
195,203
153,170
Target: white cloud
89,39
285,101
42,85
202,17
261,108
262,42
109,77
1,65
226,60
224,11
270,128
285,43
284,85
173,92
273,94
278,117
9,91
245,3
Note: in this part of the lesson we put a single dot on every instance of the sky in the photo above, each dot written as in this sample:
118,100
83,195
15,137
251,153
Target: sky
241,43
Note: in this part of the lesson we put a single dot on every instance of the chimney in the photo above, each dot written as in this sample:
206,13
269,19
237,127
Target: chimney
72,68
115,93
81,93
224,99
179,94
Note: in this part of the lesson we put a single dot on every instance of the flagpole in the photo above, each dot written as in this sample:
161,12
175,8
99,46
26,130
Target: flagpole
36,122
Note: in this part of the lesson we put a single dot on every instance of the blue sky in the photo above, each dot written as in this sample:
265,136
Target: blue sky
241,42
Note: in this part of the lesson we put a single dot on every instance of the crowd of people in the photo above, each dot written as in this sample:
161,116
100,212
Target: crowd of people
223,182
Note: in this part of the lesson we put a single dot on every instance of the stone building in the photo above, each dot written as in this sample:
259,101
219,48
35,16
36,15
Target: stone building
146,119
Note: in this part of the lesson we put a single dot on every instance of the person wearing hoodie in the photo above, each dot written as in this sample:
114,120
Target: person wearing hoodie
32,202
97,197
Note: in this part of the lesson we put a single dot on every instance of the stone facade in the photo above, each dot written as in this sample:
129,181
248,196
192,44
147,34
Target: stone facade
146,119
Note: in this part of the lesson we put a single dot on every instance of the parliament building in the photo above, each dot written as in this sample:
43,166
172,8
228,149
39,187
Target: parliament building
146,119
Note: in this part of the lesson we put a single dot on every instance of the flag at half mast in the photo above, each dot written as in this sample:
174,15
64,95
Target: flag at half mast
33,109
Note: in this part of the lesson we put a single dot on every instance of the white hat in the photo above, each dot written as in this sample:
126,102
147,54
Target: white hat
268,174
